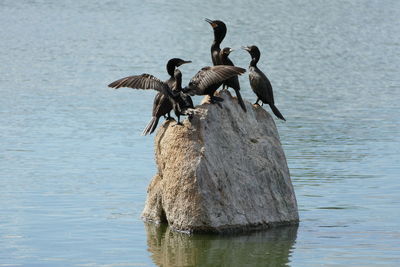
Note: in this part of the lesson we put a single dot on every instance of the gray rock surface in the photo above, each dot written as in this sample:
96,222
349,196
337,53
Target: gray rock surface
223,171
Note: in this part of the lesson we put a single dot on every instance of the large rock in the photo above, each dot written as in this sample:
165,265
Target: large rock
223,171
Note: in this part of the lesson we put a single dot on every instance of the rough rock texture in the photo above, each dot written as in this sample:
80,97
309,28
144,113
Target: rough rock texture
223,171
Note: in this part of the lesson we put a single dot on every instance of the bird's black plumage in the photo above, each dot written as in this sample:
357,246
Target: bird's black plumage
182,100
144,81
179,101
220,57
232,82
208,79
259,82
219,29
167,98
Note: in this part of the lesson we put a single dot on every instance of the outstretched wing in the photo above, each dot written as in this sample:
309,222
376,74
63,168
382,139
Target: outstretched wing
144,81
208,76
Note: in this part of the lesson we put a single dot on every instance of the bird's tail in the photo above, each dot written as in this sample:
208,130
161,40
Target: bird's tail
151,126
276,111
240,100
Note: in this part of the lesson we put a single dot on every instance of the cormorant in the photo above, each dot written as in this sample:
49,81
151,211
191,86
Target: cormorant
234,81
259,82
160,98
166,100
180,103
208,79
219,29
184,100
221,58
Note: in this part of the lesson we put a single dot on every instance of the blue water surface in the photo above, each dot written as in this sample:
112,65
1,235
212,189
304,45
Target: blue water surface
74,168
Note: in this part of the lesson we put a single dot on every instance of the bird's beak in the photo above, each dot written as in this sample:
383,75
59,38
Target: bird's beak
211,23
246,48
231,50
183,62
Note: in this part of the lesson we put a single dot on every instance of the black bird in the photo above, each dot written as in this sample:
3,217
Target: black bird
259,82
160,98
167,98
180,103
208,79
232,82
220,57
184,100
219,29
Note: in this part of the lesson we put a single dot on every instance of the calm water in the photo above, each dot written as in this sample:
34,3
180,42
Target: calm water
74,168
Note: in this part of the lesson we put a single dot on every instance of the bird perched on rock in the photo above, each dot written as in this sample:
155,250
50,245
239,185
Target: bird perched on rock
232,82
259,82
181,103
219,29
208,79
169,94
172,64
220,57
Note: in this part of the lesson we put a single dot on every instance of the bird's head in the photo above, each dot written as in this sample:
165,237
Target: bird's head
219,29
253,50
226,51
175,62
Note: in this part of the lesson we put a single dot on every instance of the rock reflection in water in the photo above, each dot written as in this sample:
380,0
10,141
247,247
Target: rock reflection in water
272,247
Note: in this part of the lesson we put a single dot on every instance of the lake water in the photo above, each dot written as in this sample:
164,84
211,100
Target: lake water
74,168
